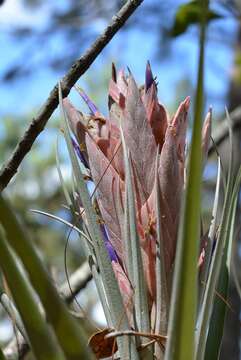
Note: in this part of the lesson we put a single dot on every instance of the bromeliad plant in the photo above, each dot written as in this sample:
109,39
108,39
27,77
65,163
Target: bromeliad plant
162,280
132,193
136,159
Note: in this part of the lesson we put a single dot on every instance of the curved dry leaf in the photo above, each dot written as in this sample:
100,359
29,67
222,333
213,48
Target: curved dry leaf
101,346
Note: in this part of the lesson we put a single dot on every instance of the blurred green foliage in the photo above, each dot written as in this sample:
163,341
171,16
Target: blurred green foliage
188,14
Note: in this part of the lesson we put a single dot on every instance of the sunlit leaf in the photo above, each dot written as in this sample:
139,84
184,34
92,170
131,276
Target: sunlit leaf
189,14
182,320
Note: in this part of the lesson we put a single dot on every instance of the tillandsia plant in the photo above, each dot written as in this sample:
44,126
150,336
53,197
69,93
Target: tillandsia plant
129,181
161,277
140,133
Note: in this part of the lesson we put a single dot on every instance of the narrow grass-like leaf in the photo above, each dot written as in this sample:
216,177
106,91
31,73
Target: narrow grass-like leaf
236,275
72,207
63,185
162,296
230,179
182,320
138,280
209,294
216,264
112,290
36,327
215,332
211,234
100,290
70,335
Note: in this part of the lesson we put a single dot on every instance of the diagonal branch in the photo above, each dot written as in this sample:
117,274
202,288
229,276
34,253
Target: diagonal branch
222,131
10,168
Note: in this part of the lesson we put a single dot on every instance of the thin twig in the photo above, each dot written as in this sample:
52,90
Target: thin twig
10,168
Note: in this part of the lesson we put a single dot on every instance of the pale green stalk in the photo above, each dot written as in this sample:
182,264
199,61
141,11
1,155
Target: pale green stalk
162,296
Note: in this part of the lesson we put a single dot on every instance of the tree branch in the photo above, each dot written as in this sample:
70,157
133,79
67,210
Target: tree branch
10,168
77,282
222,131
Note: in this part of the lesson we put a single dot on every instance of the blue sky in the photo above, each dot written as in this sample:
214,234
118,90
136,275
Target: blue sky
133,48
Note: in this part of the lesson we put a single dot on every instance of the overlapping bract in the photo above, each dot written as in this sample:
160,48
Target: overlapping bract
148,130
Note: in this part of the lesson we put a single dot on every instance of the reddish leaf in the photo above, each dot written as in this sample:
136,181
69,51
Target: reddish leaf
108,181
139,138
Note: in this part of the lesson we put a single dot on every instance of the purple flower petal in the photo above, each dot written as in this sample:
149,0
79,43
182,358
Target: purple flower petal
87,100
111,251
79,153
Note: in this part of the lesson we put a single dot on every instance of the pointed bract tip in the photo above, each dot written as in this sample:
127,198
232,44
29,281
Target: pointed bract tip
206,132
113,73
208,121
187,102
149,76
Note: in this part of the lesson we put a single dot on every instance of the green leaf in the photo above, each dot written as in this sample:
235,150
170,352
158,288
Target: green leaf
71,337
189,14
64,187
215,332
2,356
100,290
162,296
236,275
211,235
182,319
36,327
218,257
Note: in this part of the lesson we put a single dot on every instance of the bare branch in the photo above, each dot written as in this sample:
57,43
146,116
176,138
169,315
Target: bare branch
78,281
10,168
